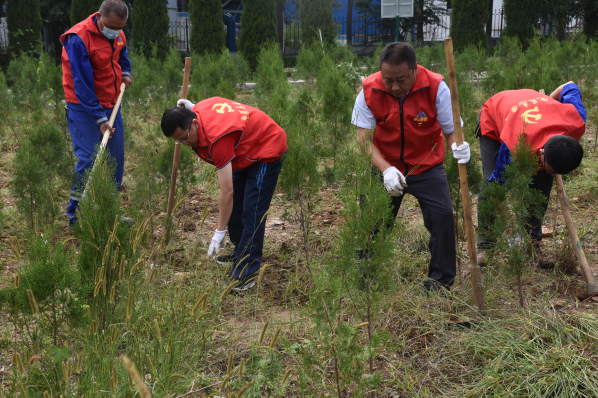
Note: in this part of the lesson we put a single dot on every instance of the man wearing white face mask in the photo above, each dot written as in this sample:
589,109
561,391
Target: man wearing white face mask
94,64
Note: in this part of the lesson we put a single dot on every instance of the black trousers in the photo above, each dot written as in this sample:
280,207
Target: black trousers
432,192
541,181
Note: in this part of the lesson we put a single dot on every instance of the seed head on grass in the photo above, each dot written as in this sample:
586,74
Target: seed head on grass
241,364
17,280
229,368
178,376
244,389
157,329
20,365
32,302
273,342
150,364
285,377
263,334
136,377
22,390
228,289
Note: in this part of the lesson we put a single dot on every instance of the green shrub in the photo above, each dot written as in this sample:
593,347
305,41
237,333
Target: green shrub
81,9
316,17
467,23
42,169
521,19
150,28
308,60
24,23
217,75
272,86
508,207
207,33
290,61
258,20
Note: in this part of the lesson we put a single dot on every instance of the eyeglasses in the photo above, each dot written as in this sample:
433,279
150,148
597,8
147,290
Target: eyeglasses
186,139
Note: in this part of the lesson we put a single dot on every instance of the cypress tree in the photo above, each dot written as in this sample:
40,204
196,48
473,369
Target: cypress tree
150,27
316,15
521,19
81,9
24,23
590,10
207,33
258,27
467,23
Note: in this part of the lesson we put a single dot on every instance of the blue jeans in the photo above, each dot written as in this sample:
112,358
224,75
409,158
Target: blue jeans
253,191
86,135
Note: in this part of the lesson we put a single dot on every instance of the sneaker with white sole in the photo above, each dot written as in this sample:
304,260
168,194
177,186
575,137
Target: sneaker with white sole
226,259
244,286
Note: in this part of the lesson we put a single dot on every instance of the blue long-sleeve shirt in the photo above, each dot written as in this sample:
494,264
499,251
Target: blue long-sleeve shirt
82,73
569,95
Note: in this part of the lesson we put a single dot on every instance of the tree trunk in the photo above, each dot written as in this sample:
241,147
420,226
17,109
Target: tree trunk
280,23
420,23
350,23
489,11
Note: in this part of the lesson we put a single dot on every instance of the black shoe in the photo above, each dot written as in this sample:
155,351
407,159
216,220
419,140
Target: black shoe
226,259
245,286
437,287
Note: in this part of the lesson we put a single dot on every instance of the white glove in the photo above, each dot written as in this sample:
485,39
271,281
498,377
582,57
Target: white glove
461,152
216,242
393,179
187,104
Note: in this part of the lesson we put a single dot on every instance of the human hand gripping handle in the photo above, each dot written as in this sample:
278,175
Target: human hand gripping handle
461,152
186,104
216,242
394,181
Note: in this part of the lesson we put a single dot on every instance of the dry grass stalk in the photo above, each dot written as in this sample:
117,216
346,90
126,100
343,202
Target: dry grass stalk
158,332
134,268
150,364
20,365
241,364
285,377
32,302
273,342
204,314
263,333
244,389
17,280
22,390
224,383
153,276
229,368
92,245
228,289
261,274
112,293
97,288
135,377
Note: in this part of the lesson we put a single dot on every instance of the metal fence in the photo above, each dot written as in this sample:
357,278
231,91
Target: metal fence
365,32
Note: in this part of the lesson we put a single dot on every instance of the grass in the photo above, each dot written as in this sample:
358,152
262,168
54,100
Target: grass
184,335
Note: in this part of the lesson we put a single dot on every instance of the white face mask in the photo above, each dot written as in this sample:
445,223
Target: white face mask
111,34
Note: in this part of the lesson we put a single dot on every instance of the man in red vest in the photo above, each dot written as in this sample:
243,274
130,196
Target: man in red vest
94,63
553,126
402,114
246,146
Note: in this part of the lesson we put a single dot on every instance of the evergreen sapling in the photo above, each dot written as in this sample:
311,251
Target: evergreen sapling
507,208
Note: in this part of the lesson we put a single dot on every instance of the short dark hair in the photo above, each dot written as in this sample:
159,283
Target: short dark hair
398,53
176,117
116,7
563,153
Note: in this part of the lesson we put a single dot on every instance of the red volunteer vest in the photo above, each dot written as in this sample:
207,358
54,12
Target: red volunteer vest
505,114
261,138
408,135
107,74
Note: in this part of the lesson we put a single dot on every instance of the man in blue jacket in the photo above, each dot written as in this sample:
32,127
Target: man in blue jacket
94,63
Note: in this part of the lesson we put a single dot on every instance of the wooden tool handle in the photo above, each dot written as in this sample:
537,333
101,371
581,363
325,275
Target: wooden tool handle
113,116
177,146
575,243
476,275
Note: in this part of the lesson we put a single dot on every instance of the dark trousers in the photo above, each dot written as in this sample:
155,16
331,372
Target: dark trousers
86,135
253,191
432,192
541,181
